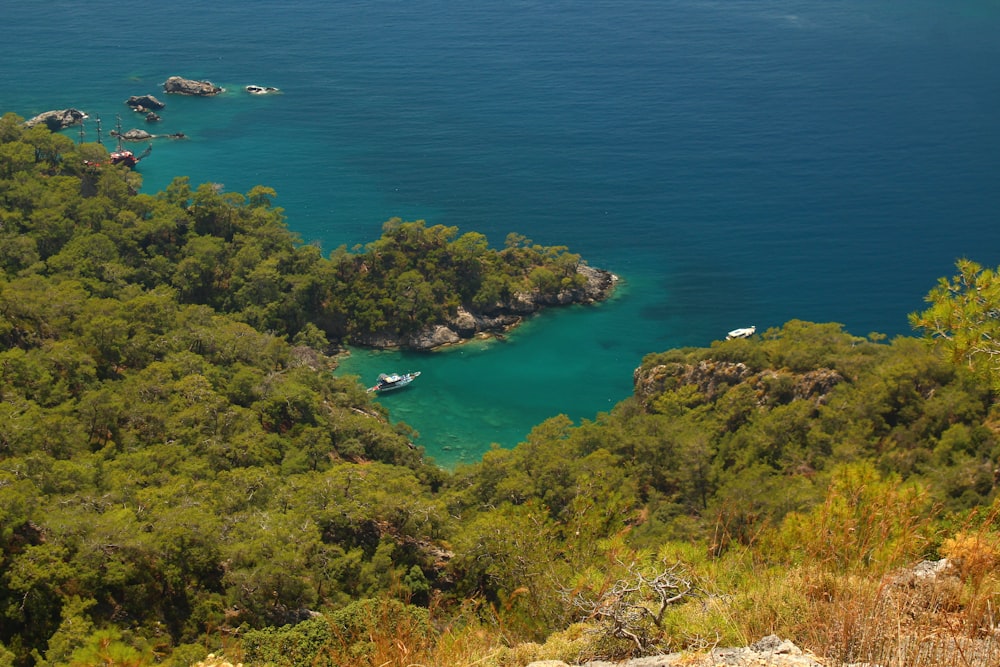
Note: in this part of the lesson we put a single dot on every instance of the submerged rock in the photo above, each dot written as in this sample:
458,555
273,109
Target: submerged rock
261,90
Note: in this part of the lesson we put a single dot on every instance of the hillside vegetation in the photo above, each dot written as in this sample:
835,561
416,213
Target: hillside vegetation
180,472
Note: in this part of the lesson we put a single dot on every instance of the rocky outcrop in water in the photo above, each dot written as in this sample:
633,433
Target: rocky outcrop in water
57,120
133,135
143,103
181,86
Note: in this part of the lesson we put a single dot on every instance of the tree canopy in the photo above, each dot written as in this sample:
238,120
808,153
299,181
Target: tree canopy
963,320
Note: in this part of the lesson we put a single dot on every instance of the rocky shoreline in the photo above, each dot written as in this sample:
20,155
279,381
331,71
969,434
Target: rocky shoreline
57,119
496,321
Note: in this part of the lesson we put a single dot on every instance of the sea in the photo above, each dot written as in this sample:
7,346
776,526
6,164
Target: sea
736,162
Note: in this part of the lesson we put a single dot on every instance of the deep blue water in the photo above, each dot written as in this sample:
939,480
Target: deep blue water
736,162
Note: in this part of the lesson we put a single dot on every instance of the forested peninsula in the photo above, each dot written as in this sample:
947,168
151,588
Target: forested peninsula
184,481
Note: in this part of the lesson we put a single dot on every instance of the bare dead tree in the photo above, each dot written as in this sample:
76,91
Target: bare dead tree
633,607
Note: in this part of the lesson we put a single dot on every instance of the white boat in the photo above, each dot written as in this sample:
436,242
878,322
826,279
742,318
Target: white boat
390,381
741,333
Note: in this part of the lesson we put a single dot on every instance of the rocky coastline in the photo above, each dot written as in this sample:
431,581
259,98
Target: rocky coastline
466,325
58,119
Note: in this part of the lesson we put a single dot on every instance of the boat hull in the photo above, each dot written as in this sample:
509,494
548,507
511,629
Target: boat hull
394,387
392,382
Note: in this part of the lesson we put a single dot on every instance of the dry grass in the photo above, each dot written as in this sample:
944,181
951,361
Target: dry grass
905,622
861,617
949,619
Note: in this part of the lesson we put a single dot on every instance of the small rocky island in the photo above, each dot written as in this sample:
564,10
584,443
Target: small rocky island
144,103
142,135
132,135
180,86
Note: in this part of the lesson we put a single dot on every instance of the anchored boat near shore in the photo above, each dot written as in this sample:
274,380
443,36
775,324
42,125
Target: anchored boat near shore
120,155
391,381
741,333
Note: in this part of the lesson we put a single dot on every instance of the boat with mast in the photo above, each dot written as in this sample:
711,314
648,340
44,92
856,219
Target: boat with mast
122,155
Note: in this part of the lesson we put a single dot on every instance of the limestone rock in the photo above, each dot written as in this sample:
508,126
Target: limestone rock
57,120
771,651
380,340
181,86
134,135
144,103
713,377
928,570
600,283
523,302
934,579
436,336
464,323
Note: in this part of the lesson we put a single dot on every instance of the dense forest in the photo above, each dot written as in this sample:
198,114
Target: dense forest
181,474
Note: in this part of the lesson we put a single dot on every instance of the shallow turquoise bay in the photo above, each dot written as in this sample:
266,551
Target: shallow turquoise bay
492,391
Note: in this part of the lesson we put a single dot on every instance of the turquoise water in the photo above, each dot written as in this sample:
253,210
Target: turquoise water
738,162
494,391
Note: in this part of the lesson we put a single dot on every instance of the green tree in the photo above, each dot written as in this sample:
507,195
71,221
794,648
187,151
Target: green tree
73,633
107,648
36,578
963,320
6,657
